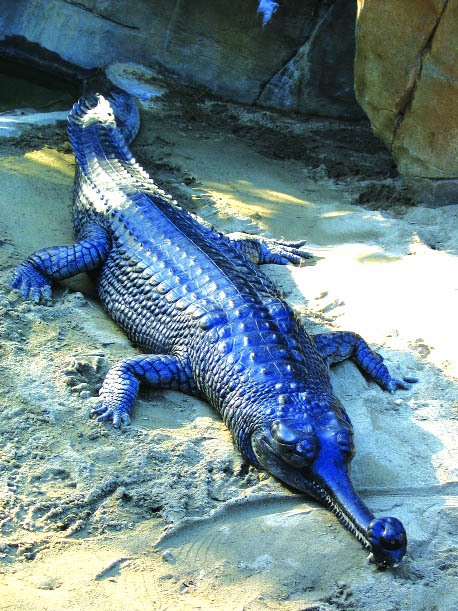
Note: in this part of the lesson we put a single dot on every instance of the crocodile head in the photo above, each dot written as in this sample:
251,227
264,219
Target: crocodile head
312,453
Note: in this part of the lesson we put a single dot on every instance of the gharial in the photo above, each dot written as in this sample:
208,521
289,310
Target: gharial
209,321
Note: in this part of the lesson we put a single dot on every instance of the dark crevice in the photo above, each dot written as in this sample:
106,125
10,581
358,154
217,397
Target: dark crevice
26,56
88,10
319,13
410,94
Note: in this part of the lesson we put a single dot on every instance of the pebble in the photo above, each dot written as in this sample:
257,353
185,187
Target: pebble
167,556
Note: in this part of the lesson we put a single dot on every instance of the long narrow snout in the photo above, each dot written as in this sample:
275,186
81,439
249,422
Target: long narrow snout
323,472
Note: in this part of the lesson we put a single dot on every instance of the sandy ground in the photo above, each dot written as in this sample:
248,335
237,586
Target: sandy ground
165,514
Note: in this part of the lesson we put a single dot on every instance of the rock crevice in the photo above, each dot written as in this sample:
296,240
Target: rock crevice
410,93
406,80
318,78
288,68
83,7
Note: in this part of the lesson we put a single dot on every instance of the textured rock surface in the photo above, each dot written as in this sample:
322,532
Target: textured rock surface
406,80
319,78
232,48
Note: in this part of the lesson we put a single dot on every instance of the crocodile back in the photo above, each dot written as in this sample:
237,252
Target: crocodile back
178,287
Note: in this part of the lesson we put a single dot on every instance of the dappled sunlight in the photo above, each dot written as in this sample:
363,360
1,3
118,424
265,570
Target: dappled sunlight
243,198
238,204
52,157
252,193
46,164
37,191
268,194
379,257
334,213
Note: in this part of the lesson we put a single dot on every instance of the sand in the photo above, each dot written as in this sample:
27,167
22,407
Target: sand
165,514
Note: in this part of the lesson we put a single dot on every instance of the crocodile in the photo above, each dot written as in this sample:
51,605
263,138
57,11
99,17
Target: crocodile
209,322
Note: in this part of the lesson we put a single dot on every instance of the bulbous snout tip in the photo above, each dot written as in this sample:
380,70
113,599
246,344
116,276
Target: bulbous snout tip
388,539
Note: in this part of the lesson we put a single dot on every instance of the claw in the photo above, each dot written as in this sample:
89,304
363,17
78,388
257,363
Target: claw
96,411
31,283
292,244
121,420
404,384
288,252
36,295
106,415
117,416
25,289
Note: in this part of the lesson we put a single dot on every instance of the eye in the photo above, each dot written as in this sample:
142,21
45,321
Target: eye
345,441
296,446
284,434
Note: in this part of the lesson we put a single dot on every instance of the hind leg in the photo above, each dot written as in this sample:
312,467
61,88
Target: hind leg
341,345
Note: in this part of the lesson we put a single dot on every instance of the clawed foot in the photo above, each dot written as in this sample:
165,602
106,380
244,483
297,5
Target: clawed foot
117,414
284,252
31,283
403,384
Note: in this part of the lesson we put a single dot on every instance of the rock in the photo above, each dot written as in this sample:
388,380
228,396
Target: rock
14,124
220,45
231,48
139,81
319,78
433,192
406,80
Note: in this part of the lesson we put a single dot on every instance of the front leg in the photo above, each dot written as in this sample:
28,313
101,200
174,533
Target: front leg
341,345
33,276
120,387
260,250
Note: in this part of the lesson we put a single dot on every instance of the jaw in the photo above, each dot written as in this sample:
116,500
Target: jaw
327,480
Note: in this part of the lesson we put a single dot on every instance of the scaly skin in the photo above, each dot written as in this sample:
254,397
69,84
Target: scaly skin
209,321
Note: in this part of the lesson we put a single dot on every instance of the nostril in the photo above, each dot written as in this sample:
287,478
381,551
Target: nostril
391,543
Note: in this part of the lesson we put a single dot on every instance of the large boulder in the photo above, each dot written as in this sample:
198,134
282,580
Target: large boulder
232,48
406,80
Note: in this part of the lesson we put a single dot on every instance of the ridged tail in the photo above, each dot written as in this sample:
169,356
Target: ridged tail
101,128
126,113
